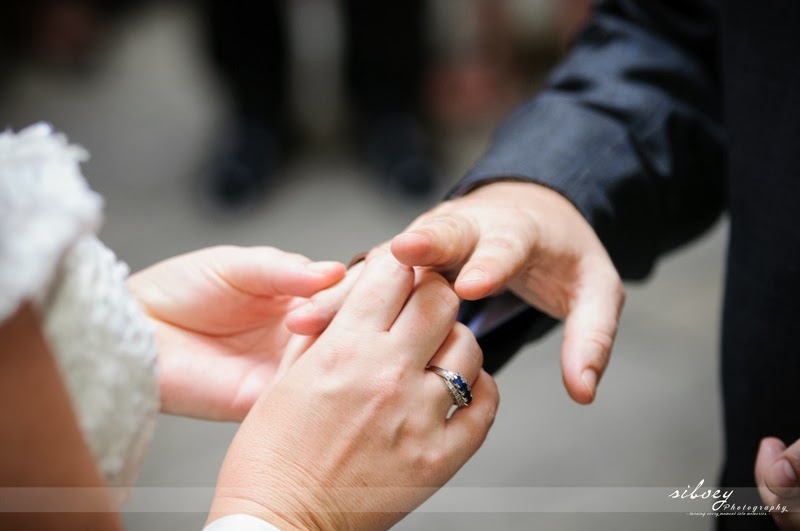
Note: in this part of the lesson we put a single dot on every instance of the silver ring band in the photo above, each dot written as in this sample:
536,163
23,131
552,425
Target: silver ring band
456,383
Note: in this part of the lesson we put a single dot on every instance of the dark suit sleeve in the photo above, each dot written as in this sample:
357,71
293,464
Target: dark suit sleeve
629,129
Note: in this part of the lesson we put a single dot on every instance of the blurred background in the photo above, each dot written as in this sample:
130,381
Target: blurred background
324,127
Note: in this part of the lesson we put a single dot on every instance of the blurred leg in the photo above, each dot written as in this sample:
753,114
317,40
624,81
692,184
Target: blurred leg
386,60
247,43
386,53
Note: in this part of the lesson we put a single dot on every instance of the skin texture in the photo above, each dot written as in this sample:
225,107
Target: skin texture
777,471
521,237
41,442
529,239
356,434
218,315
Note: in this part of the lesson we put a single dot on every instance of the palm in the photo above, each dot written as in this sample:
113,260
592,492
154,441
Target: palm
219,322
224,373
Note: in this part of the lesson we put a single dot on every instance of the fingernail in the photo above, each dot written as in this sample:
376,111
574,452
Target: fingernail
323,268
782,479
589,377
474,275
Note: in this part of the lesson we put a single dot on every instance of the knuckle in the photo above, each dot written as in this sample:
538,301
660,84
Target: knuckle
336,357
485,421
461,332
498,270
330,299
383,258
504,242
491,385
377,253
534,229
441,225
430,459
463,335
440,291
447,298
477,435
387,384
601,342
477,353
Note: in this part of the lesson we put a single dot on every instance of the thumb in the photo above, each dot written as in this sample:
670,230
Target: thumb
768,452
481,257
442,241
589,332
780,466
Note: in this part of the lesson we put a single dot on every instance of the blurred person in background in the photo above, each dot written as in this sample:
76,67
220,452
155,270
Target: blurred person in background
61,33
386,62
400,85
386,59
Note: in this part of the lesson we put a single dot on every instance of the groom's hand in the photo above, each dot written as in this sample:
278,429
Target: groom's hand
521,237
777,472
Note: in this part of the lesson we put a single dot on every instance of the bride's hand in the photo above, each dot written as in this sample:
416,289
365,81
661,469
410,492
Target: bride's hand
355,434
219,321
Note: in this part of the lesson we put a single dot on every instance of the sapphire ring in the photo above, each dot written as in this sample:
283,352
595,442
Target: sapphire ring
456,384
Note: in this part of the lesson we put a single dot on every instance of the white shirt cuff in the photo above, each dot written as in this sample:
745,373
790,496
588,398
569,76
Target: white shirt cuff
240,522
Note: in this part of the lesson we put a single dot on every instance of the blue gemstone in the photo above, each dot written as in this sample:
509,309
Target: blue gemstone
458,381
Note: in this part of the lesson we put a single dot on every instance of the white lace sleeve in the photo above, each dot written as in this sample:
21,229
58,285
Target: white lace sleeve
45,206
49,255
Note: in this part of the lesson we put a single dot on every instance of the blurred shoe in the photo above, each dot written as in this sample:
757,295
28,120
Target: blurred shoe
395,147
243,171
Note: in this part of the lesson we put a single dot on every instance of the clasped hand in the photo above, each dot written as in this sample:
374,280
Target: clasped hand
218,315
355,417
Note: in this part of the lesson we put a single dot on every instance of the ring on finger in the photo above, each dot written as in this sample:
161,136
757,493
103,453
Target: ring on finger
456,383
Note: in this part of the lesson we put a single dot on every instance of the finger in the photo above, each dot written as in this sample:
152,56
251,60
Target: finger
266,271
313,318
499,256
467,428
460,353
589,333
442,241
781,476
378,295
427,318
296,347
769,451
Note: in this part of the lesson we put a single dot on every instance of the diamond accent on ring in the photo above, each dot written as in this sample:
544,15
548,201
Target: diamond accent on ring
456,383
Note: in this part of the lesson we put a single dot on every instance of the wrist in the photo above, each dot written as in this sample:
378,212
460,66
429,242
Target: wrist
518,189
